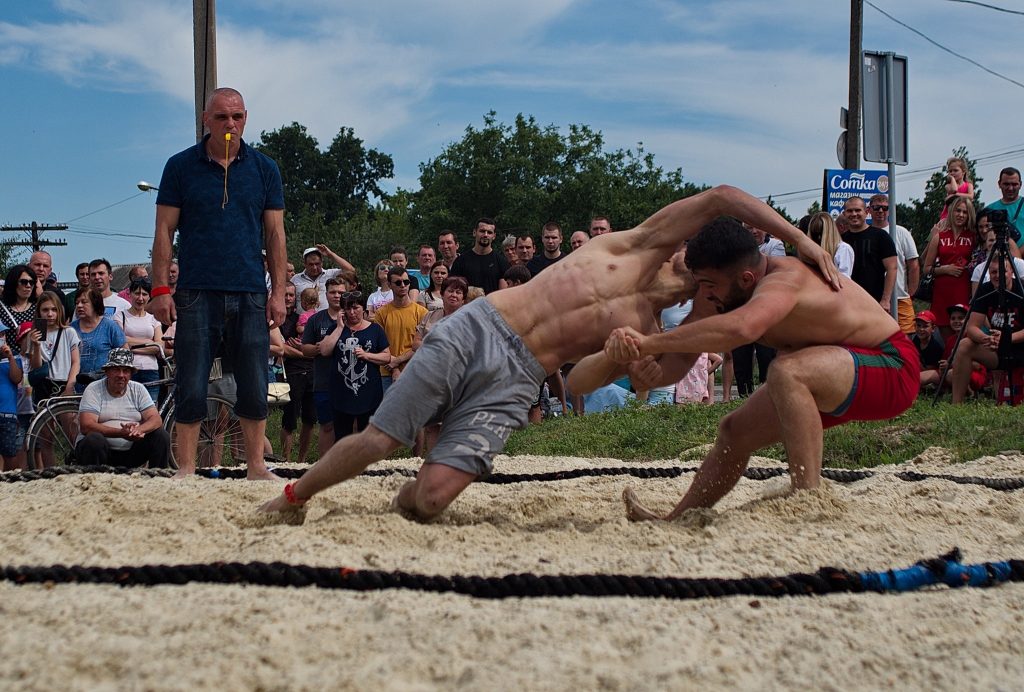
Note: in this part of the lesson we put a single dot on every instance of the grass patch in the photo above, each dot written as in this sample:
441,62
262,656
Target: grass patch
643,433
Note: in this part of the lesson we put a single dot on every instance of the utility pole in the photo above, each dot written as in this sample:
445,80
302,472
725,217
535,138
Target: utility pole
204,41
853,117
36,243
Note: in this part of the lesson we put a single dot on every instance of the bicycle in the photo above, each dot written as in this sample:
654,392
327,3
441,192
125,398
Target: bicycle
54,429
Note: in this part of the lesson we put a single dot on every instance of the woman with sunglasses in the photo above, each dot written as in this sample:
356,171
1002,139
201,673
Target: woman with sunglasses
383,295
139,328
19,302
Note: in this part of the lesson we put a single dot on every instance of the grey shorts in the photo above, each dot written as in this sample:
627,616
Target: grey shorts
474,375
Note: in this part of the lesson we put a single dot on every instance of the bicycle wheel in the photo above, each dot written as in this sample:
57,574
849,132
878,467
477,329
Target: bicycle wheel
51,436
220,435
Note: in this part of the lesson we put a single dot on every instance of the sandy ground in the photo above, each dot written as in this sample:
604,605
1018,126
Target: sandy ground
245,638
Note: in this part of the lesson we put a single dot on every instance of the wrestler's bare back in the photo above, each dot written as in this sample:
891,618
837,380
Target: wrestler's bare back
819,315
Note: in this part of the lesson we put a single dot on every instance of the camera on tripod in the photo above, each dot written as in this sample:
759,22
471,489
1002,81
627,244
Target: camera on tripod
999,221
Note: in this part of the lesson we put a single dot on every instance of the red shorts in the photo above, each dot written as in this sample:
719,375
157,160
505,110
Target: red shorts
886,381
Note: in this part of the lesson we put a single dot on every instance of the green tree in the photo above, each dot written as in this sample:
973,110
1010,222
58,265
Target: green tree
525,175
920,215
10,255
340,183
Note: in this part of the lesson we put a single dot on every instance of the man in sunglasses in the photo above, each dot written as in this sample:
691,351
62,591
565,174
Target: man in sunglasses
399,319
874,255
908,266
478,370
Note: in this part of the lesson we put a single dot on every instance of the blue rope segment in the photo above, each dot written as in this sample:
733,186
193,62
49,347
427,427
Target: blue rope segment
947,569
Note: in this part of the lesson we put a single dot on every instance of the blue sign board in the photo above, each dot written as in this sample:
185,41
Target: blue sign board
841,185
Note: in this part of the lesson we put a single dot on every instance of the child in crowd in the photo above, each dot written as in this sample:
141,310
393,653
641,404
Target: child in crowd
695,387
58,349
309,300
979,374
10,378
957,182
930,347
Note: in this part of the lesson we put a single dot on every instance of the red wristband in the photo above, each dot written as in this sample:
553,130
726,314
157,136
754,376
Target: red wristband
160,291
289,495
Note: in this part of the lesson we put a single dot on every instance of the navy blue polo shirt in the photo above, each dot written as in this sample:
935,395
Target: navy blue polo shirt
220,247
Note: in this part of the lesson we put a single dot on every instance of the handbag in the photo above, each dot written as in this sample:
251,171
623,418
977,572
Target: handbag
279,391
925,288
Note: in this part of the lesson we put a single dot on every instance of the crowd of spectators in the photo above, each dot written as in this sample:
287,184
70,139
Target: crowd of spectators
343,344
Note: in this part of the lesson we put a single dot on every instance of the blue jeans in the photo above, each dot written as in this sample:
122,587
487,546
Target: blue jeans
145,377
208,320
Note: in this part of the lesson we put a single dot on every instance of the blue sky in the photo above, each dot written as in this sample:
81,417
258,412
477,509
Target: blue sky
98,93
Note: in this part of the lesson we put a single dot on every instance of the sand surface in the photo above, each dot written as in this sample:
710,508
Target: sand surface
244,638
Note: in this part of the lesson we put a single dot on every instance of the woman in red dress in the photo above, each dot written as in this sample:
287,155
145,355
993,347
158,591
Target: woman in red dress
950,248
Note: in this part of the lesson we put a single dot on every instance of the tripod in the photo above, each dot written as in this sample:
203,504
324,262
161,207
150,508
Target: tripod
1004,350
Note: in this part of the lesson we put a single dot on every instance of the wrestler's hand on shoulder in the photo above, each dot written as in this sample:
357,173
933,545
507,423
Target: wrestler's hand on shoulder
812,253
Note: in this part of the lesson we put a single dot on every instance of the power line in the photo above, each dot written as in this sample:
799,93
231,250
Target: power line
988,157
991,7
107,207
939,45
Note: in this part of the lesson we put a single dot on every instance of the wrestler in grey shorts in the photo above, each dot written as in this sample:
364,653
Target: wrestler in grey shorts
473,374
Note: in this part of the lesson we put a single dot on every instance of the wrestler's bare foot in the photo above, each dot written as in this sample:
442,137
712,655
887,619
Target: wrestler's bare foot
278,504
634,510
184,472
263,474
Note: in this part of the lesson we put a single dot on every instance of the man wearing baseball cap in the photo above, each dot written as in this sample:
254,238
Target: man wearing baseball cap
119,423
930,346
314,275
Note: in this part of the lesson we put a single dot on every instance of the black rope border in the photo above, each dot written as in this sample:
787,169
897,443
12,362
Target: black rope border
827,580
754,473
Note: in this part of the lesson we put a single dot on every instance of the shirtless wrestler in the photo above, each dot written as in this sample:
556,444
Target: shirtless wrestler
840,358
479,370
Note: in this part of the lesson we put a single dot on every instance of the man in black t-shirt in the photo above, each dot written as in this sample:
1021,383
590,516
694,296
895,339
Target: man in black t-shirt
874,254
482,266
1002,347
551,239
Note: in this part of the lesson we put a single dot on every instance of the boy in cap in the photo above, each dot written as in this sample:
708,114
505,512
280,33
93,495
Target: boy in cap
930,347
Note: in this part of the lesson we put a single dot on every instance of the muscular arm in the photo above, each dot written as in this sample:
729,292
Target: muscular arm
162,307
681,220
277,261
593,372
745,325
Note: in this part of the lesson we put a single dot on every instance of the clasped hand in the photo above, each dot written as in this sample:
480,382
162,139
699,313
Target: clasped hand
624,345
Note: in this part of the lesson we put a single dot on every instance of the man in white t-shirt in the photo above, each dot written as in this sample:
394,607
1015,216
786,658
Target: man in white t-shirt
908,264
313,273
119,423
99,278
